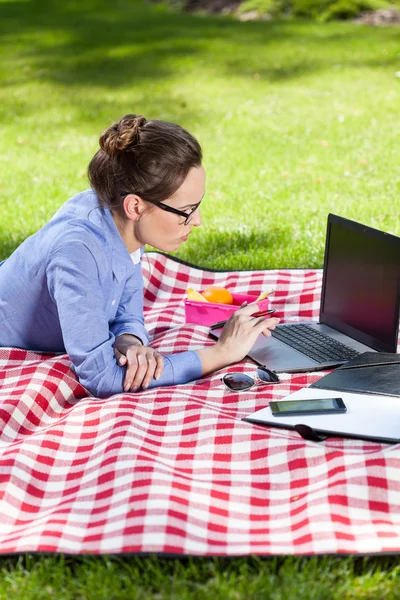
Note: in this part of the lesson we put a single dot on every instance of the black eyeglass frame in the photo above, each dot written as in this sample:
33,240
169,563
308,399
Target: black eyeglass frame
186,215
274,378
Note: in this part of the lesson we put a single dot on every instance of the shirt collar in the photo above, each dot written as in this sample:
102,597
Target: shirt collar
135,256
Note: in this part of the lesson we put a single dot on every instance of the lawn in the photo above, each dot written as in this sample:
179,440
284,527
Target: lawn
296,120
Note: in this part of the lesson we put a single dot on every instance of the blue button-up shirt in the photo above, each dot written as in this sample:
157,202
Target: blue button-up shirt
73,287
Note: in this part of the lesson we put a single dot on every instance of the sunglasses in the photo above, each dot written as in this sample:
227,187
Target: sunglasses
237,382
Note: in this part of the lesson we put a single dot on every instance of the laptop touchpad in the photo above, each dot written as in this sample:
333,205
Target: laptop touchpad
275,354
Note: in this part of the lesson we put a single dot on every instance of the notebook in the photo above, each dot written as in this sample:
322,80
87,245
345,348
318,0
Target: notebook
359,309
368,417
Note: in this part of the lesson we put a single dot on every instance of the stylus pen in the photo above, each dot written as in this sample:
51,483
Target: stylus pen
261,313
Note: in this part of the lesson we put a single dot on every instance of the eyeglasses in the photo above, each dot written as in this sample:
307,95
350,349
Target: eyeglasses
237,382
186,215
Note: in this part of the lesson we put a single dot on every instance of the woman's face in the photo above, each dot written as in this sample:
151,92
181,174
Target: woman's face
165,230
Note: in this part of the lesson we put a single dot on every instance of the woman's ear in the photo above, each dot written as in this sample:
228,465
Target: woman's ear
133,207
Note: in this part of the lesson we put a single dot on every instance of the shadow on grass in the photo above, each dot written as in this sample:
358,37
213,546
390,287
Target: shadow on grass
98,43
241,249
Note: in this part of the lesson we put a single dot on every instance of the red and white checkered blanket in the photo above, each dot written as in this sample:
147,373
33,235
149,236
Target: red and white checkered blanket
176,470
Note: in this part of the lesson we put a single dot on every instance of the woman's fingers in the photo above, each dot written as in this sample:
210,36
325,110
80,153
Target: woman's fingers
268,323
131,371
241,332
155,366
142,367
265,325
119,357
141,370
151,367
160,365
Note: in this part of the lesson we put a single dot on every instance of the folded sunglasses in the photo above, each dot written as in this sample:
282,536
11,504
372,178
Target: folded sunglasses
237,382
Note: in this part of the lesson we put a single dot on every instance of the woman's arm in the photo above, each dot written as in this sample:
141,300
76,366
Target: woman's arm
74,285
238,337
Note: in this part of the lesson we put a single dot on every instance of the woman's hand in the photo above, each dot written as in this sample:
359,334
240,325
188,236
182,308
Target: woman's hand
237,338
241,332
142,362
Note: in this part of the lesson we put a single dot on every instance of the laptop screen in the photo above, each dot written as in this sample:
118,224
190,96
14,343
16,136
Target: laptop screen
361,283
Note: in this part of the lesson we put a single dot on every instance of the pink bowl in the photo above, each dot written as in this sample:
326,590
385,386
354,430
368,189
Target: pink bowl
207,313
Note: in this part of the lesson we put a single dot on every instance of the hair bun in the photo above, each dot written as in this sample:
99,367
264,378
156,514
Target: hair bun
122,136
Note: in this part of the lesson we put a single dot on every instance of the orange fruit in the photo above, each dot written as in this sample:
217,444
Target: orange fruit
193,295
219,295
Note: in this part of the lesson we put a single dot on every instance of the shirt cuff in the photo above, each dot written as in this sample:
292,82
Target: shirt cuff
179,368
186,366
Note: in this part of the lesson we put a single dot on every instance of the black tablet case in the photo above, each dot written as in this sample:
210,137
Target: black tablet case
370,373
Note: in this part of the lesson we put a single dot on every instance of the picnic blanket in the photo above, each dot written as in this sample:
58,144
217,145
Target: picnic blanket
175,470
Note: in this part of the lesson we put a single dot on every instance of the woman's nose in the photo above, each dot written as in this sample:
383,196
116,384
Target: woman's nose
196,219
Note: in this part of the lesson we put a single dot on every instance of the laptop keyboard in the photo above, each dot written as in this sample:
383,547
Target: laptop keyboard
313,343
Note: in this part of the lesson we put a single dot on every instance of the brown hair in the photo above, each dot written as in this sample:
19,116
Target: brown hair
147,158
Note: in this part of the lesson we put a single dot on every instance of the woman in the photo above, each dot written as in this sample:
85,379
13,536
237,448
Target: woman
76,286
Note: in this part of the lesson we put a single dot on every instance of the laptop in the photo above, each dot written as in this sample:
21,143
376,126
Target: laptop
359,309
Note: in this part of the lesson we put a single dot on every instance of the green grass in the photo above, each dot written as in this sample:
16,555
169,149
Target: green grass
135,578
296,120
